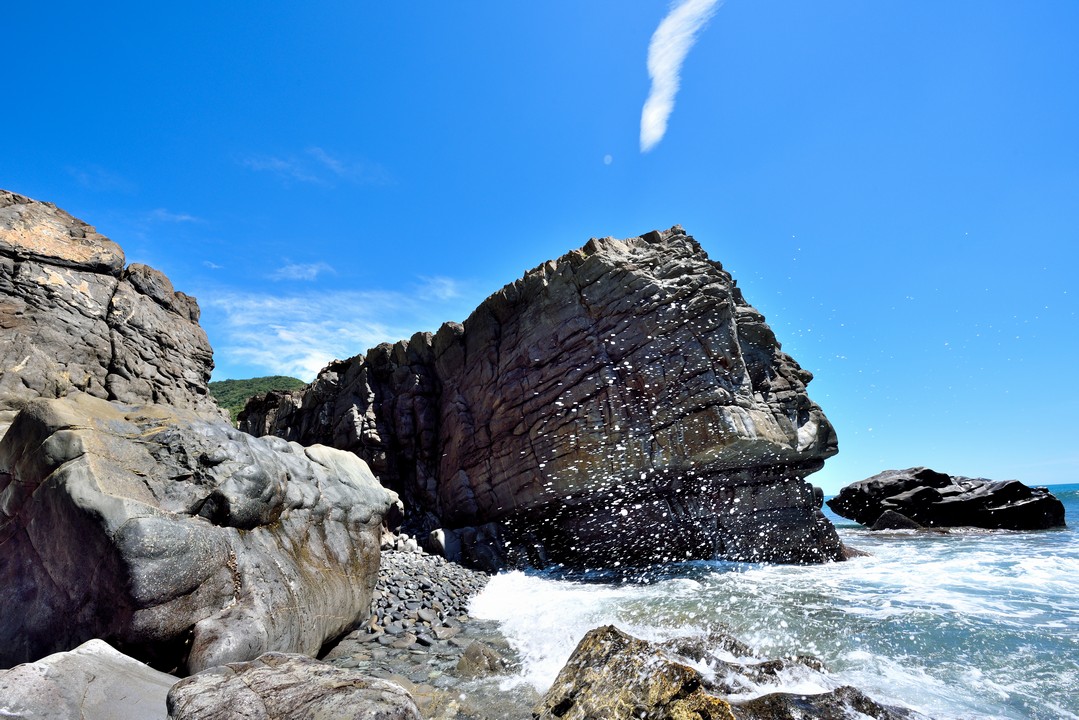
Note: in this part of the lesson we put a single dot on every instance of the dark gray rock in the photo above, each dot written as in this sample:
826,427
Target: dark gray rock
181,541
620,404
91,682
839,704
281,685
73,319
892,520
934,499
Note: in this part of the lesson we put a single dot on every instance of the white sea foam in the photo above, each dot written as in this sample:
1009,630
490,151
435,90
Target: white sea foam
965,625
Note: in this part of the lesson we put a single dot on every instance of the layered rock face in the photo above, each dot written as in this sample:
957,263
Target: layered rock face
181,541
622,403
72,318
934,499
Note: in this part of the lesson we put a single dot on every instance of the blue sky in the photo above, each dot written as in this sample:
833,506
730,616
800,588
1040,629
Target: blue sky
895,185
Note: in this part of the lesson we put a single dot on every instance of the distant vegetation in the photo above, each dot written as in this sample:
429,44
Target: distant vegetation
234,394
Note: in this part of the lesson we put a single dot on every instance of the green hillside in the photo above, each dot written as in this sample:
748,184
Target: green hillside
234,394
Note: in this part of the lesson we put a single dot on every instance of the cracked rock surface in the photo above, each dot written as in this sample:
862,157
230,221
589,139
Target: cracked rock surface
622,403
73,318
181,541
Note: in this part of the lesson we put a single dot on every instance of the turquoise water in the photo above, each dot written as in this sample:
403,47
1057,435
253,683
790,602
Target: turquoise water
974,624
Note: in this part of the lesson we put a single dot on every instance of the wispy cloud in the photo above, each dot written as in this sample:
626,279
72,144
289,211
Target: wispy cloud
666,52
163,215
300,334
94,177
212,265
300,271
317,166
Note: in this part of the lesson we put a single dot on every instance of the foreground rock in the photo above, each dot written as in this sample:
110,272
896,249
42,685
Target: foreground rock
72,318
614,675
928,498
181,541
91,682
620,404
280,685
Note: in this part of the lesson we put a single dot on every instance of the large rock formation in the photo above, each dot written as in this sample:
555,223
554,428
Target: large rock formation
73,318
91,682
620,404
934,499
181,541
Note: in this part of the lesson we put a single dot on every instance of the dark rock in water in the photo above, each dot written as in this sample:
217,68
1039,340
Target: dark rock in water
620,404
937,500
281,685
478,660
840,704
892,520
91,682
612,674
73,319
183,542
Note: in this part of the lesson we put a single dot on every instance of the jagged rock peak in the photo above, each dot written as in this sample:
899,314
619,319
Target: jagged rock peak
72,317
620,402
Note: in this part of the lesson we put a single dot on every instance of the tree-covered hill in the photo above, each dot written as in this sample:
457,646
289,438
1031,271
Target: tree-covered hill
234,394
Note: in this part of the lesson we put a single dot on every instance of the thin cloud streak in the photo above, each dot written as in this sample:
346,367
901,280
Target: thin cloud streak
316,166
301,271
667,51
300,334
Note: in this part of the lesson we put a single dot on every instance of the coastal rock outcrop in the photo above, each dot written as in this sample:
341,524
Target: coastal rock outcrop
620,404
934,499
73,318
180,540
612,674
91,682
282,685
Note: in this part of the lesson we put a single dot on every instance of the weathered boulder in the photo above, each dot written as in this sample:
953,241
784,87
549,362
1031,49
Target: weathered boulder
91,682
280,685
934,499
620,404
72,318
179,540
614,675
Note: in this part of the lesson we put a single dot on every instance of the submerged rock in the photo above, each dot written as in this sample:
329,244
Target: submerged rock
933,499
91,682
72,318
181,541
622,403
281,685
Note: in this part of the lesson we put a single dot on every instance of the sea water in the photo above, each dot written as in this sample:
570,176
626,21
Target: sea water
971,624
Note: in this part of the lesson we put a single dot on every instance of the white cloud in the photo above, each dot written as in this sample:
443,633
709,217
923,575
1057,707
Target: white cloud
163,215
316,166
300,271
666,53
212,265
300,334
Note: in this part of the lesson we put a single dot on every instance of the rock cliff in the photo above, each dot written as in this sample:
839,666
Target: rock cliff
622,403
181,541
72,317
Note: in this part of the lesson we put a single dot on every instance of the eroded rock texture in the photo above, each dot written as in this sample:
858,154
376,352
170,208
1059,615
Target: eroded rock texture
179,540
72,318
280,685
934,499
620,403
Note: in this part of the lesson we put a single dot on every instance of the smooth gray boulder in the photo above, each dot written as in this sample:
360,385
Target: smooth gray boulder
280,685
622,403
182,541
72,318
91,682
